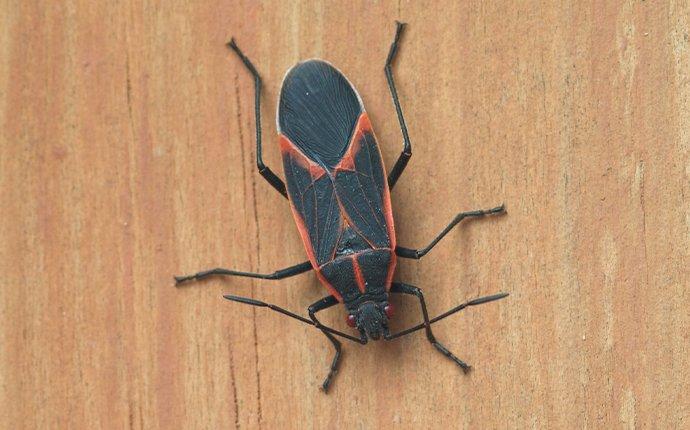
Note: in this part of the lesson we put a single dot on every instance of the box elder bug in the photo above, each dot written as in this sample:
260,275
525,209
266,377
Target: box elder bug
340,200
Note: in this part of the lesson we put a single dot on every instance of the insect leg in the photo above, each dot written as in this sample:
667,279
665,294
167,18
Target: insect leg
322,304
458,308
264,170
407,146
401,288
258,303
419,253
278,274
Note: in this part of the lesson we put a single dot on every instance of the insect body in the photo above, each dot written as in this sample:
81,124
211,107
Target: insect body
340,199
338,191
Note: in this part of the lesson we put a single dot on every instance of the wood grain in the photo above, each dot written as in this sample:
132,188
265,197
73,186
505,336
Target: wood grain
126,156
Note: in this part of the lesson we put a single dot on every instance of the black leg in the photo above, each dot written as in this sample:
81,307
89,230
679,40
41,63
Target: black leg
401,288
278,274
322,304
248,301
265,171
419,253
473,302
407,146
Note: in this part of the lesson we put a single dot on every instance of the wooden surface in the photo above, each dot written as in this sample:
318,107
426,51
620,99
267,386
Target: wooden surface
127,155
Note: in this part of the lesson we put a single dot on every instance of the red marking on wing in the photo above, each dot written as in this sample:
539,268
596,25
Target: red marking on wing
288,149
361,283
391,269
316,172
348,161
388,213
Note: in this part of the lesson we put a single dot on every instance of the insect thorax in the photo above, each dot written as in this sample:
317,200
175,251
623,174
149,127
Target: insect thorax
359,276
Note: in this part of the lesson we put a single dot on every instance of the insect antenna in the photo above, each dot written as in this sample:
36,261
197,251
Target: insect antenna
260,304
473,302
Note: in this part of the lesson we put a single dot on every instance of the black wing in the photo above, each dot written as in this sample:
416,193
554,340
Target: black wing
334,172
363,193
314,202
318,111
